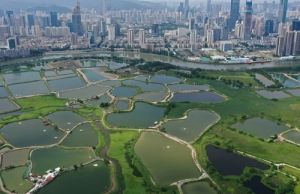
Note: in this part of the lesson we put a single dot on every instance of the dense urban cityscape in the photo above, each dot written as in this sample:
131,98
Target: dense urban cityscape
219,31
149,97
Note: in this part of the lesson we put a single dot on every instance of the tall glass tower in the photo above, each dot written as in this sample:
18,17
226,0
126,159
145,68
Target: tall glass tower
234,13
76,20
283,5
248,20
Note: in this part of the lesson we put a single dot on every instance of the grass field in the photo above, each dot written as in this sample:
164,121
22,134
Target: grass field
243,77
35,107
133,184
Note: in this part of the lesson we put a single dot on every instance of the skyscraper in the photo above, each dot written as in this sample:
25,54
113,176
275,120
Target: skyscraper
53,19
130,38
30,20
192,23
289,43
208,7
10,18
111,32
234,13
282,10
103,7
296,49
248,20
279,46
76,20
142,39
186,8
269,27
155,29
296,25
193,39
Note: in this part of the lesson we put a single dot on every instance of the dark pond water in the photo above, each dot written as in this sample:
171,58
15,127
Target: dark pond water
229,163
201,97
3,92
257,187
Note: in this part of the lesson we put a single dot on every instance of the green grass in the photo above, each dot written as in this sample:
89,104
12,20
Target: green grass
133,184
35,107
39,102
297,188
243,77
291,171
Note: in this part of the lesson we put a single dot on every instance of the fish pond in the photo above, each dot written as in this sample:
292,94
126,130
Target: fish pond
14,180
30,133
264,80
188,87
66,84
260,127
124,91
164,79
122,105
93,74
190,128
152,96
200,187
294,92
273,94
51,158
82,136
93,179
105,98
3,92
142,116
286,81
7,105
167,160
21,77
257,187
144,86
199,97
29,89
15,158
85,92
229,163
293,136
65,119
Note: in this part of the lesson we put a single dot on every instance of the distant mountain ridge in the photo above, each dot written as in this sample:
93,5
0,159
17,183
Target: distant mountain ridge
114,4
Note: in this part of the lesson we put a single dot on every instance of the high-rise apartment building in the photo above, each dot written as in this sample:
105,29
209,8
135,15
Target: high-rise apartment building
142,38
130,37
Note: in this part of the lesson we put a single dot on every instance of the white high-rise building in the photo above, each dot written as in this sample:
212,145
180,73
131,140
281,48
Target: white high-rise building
142,39
130,37
193,39
296,49
111,33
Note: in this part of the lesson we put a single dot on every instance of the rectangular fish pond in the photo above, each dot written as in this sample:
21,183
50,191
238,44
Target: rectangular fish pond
260,127
142,116
229,163
167,160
